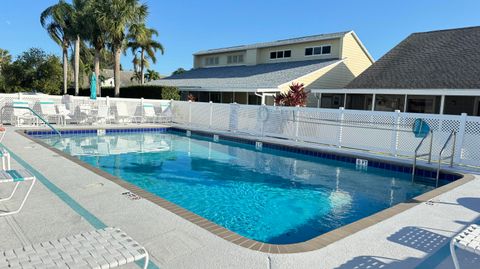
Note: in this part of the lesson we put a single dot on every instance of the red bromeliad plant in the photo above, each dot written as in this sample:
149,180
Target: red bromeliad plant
296,96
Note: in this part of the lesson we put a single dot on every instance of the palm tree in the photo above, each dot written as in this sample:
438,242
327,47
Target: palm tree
5,58
77,32
152,75
96,37
141,41
57,20
114,17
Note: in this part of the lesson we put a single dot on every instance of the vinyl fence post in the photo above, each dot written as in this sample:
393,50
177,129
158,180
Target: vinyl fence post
297,122
460,138
340,126
190,112
395,133
211,115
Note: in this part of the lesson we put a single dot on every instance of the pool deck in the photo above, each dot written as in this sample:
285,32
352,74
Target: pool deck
70,199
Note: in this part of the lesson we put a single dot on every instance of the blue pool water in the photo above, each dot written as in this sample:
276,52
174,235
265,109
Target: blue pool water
270,195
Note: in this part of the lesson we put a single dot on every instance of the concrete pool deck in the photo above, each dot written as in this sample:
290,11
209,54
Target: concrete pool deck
415,237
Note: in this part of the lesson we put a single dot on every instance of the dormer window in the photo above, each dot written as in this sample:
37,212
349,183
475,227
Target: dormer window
235,59
280,54
209,61
320,50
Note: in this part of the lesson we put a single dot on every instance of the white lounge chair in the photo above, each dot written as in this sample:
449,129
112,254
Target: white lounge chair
469,240
48,111
121,113
166,115
22,116
17,177
104,248
149,114
64,114
103,115
83,113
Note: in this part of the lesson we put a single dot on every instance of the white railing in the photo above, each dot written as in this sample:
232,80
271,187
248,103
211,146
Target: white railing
72,102
388,133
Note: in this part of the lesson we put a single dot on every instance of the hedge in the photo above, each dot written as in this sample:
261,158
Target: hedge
147,92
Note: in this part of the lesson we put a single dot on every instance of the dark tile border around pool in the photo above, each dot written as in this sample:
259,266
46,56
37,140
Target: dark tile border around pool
312,244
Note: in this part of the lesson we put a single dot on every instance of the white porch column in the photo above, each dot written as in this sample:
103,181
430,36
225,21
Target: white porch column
442,104
373,101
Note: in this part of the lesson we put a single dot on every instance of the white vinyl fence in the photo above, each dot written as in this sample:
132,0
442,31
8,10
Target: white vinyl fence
384,132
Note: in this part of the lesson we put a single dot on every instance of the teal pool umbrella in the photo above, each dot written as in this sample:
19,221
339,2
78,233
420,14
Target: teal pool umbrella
93,87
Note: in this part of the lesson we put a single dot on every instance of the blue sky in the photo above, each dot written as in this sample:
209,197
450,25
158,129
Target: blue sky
189,26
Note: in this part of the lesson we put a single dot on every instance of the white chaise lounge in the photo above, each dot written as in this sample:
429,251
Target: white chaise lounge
104,248
17,177
121,113
21,115
469,240
48,111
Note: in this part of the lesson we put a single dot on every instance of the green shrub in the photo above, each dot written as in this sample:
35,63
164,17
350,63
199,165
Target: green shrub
170,93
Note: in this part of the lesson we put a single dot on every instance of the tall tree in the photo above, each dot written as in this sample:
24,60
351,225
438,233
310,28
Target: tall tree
114,17
96,37
140,40
5,58
152,75
57,20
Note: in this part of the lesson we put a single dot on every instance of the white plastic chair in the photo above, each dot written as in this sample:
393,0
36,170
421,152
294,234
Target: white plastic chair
103,115
48,111
469,240
22,116
121,113
17,177
64,114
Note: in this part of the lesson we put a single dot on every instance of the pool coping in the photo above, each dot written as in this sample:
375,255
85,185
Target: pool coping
309,245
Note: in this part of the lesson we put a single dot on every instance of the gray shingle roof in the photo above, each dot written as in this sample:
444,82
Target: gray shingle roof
276,43
244,78
445,59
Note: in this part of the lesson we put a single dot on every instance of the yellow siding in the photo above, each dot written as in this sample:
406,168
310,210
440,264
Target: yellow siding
298,52
333,76
199,61
355,57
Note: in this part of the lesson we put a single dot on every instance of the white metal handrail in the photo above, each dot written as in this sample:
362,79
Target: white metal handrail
453,135
417,155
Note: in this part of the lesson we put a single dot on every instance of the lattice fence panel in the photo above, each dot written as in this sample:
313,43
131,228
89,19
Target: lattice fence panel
249,120
470,147
319,125
200,114
221,117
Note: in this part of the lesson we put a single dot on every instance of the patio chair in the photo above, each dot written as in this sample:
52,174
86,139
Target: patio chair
165,116
103,115
149,114
121,113
469,240
64,114
103,248
48,111
83,113
22,116
17,177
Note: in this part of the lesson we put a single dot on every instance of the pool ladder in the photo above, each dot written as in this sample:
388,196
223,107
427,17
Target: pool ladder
451,137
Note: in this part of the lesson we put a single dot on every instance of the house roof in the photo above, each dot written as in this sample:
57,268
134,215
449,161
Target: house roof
445,59
276,43
243,78
125,77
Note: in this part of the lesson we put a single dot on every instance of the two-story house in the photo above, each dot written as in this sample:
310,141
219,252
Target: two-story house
252,74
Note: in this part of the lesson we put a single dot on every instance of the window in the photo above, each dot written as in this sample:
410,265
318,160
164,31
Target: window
234,59
280,54
320,50
211,61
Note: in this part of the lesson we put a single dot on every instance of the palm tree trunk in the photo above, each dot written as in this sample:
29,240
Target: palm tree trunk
96,64
116,70
77,64
142,68
65,70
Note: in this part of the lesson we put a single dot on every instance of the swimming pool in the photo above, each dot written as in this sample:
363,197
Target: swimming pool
266,194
